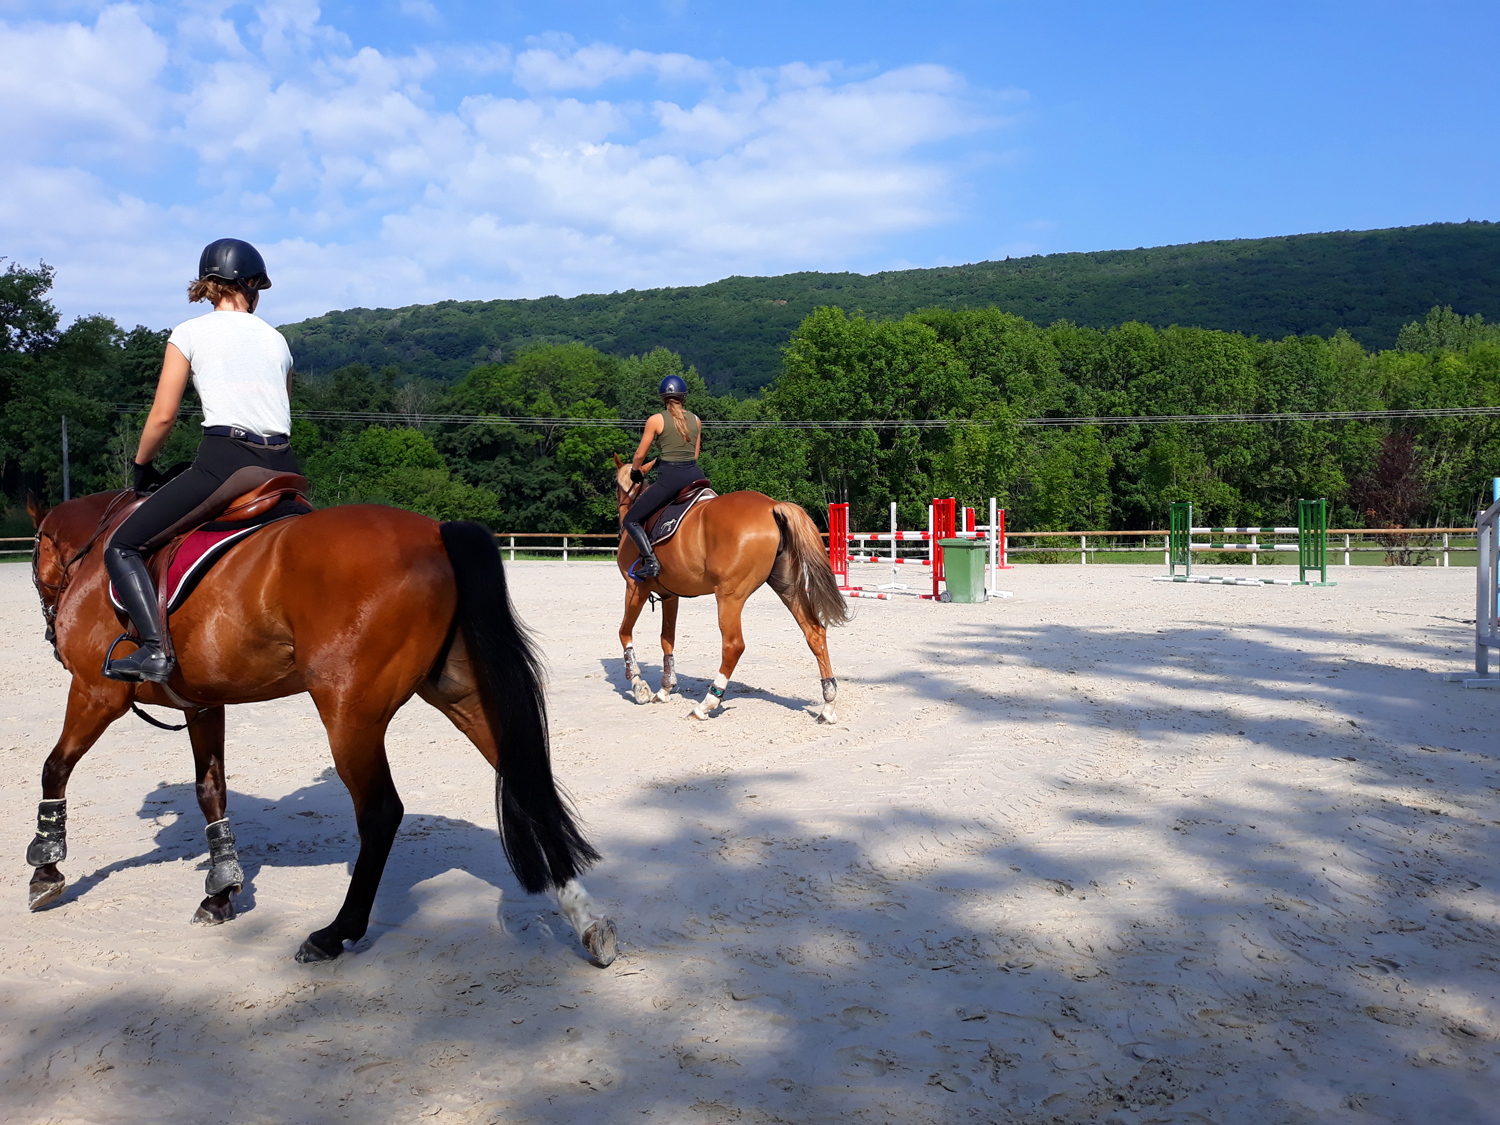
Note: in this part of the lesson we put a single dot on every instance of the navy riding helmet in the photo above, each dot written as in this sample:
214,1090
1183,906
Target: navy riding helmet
672,385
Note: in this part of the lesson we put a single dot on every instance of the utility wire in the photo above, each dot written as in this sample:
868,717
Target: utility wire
421,419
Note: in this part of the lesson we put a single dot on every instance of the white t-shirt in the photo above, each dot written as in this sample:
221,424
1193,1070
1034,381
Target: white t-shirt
239,365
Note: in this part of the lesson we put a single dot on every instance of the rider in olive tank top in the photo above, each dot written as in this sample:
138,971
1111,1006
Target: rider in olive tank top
676,467
672,445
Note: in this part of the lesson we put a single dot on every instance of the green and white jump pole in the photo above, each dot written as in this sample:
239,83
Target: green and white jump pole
1311,546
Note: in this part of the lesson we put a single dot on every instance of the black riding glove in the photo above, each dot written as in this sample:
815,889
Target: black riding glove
636,476
145,477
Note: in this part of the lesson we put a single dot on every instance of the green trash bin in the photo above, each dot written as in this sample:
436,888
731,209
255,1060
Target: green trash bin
963,565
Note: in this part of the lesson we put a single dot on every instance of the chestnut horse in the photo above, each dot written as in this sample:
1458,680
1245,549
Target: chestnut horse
729,546
361,607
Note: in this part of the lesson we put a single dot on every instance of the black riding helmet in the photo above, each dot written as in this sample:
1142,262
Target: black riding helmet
232,259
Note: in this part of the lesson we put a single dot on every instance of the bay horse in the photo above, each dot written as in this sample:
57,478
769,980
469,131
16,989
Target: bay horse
730,546
360,606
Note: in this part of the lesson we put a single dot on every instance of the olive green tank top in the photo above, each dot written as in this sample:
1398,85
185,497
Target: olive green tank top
672,447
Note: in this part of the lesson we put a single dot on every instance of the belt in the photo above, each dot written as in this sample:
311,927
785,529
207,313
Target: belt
245,435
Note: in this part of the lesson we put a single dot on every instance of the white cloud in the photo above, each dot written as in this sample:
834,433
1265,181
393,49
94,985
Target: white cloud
361,188
585,68
423,10
85,91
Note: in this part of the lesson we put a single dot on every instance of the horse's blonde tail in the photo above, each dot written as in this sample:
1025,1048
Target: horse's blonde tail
817,589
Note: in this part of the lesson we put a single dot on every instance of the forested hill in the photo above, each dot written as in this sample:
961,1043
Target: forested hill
1368,282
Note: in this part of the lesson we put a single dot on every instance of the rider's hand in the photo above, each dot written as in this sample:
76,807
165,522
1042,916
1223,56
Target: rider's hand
636,476
144,477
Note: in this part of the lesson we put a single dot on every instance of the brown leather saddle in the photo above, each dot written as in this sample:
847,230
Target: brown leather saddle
663,524
249,498
249,493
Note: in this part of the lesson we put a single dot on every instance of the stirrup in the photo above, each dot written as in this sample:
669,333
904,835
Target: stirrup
647,572
147,662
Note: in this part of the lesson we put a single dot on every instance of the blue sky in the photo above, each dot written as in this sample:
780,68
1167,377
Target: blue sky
401,151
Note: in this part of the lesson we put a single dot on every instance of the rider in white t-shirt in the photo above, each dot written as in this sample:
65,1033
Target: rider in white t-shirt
241,368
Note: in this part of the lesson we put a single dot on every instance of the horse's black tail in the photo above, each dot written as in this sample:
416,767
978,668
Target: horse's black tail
543,844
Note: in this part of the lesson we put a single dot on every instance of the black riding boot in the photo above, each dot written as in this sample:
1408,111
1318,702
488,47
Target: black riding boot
137,593
648,567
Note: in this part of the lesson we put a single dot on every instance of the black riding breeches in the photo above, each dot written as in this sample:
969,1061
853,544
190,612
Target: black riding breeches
218,459
671,478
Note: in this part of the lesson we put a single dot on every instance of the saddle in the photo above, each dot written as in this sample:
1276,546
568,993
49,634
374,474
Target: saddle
182,554
664,523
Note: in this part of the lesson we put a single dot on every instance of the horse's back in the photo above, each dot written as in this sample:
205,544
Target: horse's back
729,540
321,594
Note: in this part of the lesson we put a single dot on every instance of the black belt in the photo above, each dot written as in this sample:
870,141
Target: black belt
245,435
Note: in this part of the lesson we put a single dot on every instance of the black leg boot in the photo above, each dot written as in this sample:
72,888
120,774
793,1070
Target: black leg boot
137,593
648,567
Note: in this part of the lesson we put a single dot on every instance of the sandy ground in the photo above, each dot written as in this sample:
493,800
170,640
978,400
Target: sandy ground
1111,850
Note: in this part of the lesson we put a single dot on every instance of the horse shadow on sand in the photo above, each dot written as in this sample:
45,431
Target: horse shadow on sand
314,827
690,689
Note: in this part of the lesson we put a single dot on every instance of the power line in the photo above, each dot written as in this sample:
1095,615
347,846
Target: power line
1284,416
422,419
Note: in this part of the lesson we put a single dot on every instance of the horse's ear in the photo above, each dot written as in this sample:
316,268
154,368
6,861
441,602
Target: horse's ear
618,462
35,508
646,468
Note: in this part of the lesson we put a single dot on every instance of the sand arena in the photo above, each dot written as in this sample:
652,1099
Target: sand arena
1106,851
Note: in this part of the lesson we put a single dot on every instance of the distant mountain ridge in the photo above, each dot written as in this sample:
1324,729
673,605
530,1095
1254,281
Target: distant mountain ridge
1367,282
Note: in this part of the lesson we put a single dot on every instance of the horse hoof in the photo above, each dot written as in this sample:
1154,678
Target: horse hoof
695,713
42,891
661,696
602,942
641,690
215,910
311,952
828,715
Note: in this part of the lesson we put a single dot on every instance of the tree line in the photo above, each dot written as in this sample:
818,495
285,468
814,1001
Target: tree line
982,371
1369,283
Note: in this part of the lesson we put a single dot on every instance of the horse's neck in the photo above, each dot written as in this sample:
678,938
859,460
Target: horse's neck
83,520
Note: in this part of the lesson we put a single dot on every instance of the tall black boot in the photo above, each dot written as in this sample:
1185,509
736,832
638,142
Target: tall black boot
648,567
137,593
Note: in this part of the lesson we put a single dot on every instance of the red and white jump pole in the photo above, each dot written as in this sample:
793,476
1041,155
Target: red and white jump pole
942,523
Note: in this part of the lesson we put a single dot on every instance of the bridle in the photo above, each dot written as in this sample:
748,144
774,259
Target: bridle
58,588
628,496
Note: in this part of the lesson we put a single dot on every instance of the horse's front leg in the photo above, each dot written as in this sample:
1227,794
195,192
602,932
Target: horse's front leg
225,875
91,708
635,601
669,607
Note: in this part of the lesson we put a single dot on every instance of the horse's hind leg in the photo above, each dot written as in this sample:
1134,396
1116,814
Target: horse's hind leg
225,876
358,744
456,695
91,708
731,610
817,640
635,601
669,608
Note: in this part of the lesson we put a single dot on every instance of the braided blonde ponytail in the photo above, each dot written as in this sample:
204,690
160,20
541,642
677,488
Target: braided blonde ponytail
679,419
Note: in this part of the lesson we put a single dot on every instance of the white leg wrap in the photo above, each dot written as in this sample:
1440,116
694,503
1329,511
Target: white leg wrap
713,698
